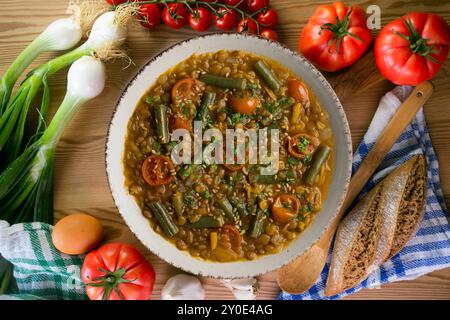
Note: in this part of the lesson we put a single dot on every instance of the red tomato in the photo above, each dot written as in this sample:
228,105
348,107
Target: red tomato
150,15
297,90
412,49
175,15
234,2
200,19
268,18
335,36
247,25
157,170
117,271
226,19
285,208
270,34
116,2
256,5
245,103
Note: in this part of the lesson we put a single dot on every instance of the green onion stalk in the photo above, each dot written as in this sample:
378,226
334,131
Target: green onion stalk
26,186
61,34
108,33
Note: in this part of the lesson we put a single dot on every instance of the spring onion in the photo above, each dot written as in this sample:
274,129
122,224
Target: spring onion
107,34
26,184
61,34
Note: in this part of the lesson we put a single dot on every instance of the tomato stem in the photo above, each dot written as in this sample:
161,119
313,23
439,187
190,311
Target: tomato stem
417,43
340,30
213,6
110,280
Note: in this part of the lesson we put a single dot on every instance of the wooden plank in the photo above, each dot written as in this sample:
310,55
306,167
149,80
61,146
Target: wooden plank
81,183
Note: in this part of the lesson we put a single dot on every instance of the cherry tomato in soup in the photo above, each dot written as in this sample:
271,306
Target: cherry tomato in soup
244,103
200,19
183,90
234,235
302,146
270,34
335,36
268,18
150,15
175,15
297,90
226,19
247,25
256,5
412,49
117,271
157,170
285,208
179,122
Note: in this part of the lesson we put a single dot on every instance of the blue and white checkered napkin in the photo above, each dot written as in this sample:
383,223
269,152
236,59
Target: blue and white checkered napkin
429,249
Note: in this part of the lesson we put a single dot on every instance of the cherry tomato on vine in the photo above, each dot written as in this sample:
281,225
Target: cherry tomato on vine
200,19
116,2
268,18
226,19
269,34
248,26
150,15
256,5
234,2
175,15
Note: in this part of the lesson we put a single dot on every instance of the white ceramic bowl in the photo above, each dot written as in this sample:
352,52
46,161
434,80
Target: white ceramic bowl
147,76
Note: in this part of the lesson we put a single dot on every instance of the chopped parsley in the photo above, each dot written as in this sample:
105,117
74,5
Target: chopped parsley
303,144
236,118
254,89
189,199
293,161
206,195
171,145
307,159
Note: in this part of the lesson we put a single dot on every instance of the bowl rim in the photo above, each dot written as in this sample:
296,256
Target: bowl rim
323,80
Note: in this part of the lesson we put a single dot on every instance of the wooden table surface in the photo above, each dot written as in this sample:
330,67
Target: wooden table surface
80,179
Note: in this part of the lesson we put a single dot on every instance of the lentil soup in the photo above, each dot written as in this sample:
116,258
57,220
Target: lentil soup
222,212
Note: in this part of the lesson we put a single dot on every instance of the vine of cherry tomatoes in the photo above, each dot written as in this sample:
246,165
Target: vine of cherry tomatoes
247,16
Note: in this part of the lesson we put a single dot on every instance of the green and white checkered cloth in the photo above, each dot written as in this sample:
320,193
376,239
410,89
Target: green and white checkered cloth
40,270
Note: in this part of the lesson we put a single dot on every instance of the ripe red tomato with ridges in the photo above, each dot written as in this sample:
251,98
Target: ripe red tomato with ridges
335,36
117,271
412,49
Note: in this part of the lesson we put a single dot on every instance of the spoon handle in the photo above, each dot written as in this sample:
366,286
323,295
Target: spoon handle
300,274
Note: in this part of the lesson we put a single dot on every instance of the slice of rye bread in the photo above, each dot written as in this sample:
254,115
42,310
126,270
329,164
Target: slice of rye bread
412,205
393,187
398,203
355,243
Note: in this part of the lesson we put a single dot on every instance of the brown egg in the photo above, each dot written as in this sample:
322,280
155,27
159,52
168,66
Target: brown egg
77,233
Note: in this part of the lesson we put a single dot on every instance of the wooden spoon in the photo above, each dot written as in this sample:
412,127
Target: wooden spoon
300,274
